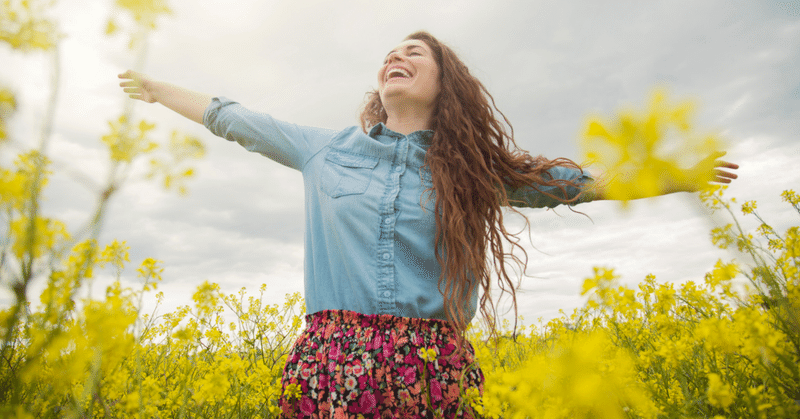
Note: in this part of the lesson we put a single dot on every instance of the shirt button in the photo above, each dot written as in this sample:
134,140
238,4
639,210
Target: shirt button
387,220
398,169
386,293
386,256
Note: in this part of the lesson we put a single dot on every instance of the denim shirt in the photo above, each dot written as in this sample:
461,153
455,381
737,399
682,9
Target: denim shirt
370,228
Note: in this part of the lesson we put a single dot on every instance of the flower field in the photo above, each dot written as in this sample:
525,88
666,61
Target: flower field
700,349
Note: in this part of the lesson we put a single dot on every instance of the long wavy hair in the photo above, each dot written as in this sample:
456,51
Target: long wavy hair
472,159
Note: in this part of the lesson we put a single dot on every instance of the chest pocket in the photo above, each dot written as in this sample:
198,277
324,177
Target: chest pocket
346,174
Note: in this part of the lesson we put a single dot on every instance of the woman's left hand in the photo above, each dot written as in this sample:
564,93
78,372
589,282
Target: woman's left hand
718,170
709,170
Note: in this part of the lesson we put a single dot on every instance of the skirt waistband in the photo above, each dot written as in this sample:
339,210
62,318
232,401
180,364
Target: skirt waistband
400,325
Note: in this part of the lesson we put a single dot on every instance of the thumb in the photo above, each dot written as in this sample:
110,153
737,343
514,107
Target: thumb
129,74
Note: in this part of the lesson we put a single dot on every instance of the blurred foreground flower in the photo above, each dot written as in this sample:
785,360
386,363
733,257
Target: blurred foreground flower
644,154
24,25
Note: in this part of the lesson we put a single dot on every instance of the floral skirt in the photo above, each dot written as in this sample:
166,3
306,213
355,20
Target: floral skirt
352,365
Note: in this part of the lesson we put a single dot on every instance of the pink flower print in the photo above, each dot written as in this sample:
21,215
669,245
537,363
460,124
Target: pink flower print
362,382
313,382
416,388
325,408
387,351
409,375
340,414
350,383
332,366
412,358
348,370
368,362
334,353
357,370
436,390
453,393
307,406
404,396
366,404
323,381
306,373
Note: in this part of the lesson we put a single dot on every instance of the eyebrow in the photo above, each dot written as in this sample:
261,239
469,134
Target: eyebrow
407,48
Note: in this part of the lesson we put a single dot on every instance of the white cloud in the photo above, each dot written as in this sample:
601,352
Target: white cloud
547,63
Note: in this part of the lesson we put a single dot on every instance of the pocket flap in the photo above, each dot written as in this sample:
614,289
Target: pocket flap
351,160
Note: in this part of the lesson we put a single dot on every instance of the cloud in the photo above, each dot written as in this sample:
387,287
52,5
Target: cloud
547,64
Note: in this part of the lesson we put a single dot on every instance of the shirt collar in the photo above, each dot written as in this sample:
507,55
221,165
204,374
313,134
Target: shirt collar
421,137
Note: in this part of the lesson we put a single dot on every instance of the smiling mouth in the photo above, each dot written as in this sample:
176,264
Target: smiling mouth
396,73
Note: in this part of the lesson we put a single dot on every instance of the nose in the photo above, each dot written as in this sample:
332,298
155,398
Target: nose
393,56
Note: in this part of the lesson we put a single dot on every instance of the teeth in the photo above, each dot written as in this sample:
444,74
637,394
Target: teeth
398,72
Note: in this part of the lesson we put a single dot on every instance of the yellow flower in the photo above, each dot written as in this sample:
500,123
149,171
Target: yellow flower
122,142
293,391
150,271
181,148
8,104
206,298
37,238
428,355
641,155
719,393
24,25
791,197
115,253
748,207
111,27
145,12
721,274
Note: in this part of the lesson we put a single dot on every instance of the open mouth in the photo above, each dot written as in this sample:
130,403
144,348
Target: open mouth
397,72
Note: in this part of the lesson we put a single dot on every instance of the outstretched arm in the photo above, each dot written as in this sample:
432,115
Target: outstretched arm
721,174
183,101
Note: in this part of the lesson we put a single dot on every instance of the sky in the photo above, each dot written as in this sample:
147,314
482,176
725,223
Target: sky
548,64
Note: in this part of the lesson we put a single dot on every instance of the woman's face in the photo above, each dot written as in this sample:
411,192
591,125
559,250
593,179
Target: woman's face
409,75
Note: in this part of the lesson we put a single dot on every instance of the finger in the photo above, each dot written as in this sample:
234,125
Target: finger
132,90
726,164
726,174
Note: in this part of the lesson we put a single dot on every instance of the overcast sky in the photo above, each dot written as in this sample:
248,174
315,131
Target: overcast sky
547,63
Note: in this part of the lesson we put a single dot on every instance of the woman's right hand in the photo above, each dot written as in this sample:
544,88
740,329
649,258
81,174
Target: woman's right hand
183,101
137,86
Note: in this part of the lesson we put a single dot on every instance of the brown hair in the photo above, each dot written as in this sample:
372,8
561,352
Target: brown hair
472,158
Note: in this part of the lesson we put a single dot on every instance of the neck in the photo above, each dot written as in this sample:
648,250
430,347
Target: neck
407,119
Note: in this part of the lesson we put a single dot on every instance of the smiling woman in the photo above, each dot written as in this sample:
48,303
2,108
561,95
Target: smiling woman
408,83
400,217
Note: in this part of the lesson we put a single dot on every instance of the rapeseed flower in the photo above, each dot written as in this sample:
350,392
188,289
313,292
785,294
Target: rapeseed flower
644,154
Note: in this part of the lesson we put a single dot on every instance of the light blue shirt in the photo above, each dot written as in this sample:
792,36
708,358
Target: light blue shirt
369,233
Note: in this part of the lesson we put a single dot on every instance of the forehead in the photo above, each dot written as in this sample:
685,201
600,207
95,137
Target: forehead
411,44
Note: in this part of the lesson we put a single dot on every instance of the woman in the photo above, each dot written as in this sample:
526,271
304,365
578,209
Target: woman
400,215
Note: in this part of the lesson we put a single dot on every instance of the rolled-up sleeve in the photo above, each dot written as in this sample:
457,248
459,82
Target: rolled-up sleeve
539,196
288,144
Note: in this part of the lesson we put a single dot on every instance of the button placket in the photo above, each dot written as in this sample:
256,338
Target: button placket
386,281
